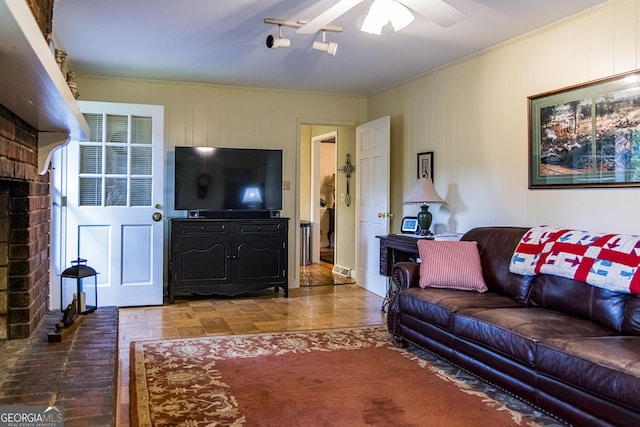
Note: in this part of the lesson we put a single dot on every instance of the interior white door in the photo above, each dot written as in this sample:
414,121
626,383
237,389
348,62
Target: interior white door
372,201
115,201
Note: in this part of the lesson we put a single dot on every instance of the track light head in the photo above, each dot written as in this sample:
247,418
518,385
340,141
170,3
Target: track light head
275,42
331,48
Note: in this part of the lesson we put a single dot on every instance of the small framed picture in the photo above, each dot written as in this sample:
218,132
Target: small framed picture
409,224
425,165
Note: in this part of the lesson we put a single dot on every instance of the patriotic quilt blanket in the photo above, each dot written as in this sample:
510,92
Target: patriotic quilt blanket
609,261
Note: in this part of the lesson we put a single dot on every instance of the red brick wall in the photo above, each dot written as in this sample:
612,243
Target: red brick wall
24,216
28,223
43,12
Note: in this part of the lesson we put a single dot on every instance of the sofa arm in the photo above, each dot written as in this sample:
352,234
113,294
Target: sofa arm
405,275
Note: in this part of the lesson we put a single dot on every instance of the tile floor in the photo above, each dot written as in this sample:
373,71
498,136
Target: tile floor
316,304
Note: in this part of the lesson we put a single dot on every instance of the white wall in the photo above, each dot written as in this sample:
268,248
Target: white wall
473,115
224,116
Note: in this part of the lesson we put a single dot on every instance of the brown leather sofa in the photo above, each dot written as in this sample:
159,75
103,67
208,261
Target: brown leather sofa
566,347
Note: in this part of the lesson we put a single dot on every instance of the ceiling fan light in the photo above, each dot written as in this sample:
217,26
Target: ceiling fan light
377,17
384,11
400,16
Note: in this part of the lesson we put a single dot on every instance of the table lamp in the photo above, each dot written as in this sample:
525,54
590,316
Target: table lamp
424,194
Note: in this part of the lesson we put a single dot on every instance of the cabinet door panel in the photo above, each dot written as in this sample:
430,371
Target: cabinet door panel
259,259
201,260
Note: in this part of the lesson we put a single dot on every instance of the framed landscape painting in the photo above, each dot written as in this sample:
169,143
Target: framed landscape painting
586,135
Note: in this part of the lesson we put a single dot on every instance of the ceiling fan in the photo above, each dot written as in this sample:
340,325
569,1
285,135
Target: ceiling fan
438,11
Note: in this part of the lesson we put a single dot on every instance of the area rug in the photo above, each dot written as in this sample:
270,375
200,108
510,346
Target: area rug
337,377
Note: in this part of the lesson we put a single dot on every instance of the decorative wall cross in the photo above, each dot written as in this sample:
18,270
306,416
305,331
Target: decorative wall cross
347,169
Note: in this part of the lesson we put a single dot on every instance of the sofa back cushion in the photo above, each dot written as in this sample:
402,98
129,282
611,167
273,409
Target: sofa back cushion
631,320
579,299
496,246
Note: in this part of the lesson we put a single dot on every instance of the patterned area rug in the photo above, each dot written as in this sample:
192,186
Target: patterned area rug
335,377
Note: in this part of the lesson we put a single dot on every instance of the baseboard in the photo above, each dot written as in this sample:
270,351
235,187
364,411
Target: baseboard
342,271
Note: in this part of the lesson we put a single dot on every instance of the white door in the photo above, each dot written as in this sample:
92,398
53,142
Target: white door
372,201
115,201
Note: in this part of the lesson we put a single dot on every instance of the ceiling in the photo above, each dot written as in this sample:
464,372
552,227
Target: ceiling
223,42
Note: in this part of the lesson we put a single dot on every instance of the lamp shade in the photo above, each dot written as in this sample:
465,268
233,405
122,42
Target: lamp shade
423,193
251,195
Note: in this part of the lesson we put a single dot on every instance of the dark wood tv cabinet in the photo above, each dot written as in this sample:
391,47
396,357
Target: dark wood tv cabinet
227,256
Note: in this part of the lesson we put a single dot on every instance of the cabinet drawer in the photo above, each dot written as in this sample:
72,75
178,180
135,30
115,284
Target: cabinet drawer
257,228
204,228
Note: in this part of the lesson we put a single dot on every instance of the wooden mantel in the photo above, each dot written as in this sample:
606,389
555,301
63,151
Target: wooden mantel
32,85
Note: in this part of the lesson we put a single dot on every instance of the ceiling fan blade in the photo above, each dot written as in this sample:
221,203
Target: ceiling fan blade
328,16
438,11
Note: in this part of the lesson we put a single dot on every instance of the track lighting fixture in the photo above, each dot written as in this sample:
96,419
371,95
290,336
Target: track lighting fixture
331,48
275,42
384,11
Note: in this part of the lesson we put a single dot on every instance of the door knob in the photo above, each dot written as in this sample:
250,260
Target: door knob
381,215
157,216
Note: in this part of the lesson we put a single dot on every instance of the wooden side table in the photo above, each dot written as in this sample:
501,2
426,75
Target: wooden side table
395,248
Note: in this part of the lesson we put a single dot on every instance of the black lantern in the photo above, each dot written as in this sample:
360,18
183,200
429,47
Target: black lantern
86,296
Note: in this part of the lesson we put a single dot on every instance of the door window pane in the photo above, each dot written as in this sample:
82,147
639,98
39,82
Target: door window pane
90,159
117,127
141,160
141,130
116,192
141,191
90,191
95,126
116,160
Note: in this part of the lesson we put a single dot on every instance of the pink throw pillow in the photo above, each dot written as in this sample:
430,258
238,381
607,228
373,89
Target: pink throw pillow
450,264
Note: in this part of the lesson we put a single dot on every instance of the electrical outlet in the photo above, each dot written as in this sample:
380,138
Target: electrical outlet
286,185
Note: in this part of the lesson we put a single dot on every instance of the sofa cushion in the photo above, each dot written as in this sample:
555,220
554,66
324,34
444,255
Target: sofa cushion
451,265
496,246
631,318
515,332
579,299
438,306
608,366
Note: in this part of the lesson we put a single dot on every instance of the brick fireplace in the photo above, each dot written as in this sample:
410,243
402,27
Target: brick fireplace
24,229
25,214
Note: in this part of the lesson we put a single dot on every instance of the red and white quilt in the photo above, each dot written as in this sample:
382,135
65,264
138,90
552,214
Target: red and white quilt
609,261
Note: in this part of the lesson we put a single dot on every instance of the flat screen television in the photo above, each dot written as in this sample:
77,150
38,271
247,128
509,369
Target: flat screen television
228,179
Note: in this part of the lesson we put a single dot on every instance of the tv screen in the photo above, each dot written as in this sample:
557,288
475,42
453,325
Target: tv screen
223,179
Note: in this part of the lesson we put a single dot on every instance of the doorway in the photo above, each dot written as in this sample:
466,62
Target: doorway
323,209
321,195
